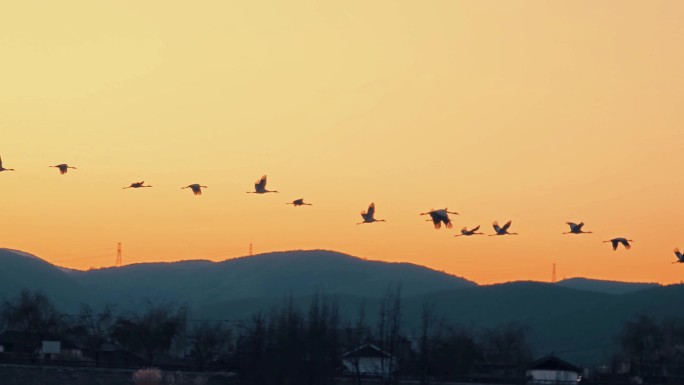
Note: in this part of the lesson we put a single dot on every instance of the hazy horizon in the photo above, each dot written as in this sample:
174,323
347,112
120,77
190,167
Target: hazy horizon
455,274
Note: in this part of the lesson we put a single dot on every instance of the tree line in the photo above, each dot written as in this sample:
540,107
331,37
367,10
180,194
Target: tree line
292,344
287,344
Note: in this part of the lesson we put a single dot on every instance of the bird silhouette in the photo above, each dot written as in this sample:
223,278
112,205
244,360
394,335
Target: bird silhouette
467,233
680,256
440,216
369,216
298,202
63,168
137,185
260,187
196,188
576,228
617,241
4,169
502,230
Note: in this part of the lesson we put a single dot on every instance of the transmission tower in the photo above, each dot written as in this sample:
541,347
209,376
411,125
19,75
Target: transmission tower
118,255
553,273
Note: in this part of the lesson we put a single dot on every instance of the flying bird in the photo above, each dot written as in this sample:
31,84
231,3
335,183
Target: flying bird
368,216
440,216
137,185
467,233
196,188
576,228
4,169
63,168
260,187
298,202
502,230
617,241
680,256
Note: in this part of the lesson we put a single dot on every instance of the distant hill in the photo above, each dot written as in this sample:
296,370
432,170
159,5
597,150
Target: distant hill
608,287
296,273
578,318
197,282
19,270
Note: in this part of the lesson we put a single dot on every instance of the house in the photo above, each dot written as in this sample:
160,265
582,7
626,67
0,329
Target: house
552,370
369,360
31,346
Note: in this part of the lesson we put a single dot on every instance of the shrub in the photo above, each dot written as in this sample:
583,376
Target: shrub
147,376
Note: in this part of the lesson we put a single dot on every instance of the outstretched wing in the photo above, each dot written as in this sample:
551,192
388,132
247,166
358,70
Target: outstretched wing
496,226
615,243
579,225
678,254
506,226
0,162
475,228
261,183
371,210
626,244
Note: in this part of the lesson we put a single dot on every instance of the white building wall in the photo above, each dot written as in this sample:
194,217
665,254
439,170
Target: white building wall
552,376
367,365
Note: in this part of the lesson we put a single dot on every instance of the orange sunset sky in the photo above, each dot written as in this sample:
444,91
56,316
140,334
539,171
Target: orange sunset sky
540,112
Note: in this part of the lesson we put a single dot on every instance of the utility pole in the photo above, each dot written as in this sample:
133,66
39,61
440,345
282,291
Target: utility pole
553,273
118,255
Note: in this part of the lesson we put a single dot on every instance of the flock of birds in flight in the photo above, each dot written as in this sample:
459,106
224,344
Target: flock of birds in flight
437,217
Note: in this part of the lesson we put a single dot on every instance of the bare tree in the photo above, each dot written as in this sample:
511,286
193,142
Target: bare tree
427,326
389,332
208,342
96,327
32,313
642,342
153,331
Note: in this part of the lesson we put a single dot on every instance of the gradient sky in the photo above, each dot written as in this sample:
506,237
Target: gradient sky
537,111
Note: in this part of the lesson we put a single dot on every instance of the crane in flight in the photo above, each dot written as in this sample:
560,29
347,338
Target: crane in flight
467,233
502,230
369,216
63,168
260,187
680,256
137,185
617,241
196,188
576,228
440,216
298,202
4,169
